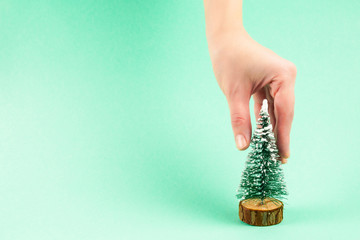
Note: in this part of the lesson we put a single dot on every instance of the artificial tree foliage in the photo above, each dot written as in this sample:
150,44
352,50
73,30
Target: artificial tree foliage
263,175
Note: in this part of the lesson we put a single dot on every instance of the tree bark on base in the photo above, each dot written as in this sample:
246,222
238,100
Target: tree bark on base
254,212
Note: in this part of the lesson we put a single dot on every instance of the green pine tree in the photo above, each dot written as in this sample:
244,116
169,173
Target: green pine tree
263,176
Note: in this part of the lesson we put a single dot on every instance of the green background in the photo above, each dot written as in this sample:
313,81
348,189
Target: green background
112,125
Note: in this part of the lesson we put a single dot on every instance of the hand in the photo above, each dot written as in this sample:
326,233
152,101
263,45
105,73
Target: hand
244,68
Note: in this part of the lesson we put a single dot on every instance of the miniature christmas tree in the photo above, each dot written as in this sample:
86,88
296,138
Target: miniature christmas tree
262,181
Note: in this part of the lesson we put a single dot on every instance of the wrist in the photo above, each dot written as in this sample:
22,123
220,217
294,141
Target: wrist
223,18
215,32
226,38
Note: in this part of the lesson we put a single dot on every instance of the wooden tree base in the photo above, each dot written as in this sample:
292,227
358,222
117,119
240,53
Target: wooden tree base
252,212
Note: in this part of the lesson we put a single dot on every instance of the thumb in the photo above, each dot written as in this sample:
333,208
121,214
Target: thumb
240,121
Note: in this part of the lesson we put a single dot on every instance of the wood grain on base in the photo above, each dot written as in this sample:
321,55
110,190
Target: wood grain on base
252,212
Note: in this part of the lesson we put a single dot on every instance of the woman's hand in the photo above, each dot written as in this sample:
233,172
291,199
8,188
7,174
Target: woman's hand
244,68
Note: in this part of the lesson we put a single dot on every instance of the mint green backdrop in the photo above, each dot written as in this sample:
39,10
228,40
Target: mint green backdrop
112,125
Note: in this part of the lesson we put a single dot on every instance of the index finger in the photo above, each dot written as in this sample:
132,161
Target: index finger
284,101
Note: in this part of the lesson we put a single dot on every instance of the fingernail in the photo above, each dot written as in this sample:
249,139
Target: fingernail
284,160
287,155
240,142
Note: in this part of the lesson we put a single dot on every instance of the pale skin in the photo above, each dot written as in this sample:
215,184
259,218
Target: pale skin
244,68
